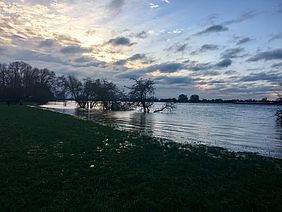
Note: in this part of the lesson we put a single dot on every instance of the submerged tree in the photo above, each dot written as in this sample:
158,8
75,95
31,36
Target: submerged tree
87,93
142,93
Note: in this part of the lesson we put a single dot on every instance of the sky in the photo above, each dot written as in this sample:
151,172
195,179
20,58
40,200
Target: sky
217,49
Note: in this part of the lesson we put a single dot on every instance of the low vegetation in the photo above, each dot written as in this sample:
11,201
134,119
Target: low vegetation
50,161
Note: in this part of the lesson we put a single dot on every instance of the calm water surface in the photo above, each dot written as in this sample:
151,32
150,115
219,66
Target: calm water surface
247,128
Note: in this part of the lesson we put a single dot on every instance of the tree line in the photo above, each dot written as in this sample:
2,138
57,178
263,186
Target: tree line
21,82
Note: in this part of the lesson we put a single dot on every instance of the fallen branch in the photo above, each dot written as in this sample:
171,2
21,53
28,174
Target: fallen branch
167,106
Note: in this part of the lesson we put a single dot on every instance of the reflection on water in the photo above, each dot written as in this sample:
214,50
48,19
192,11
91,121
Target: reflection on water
251,128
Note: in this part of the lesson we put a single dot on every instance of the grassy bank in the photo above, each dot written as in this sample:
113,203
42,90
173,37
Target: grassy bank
51,161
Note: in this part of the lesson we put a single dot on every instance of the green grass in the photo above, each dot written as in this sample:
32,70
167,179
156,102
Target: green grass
46,159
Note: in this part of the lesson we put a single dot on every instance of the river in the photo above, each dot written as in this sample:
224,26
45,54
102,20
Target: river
240,128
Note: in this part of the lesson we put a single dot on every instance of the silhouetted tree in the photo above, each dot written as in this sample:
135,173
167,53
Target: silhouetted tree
19,82
109,94
76,89
194,98
182,98
142,93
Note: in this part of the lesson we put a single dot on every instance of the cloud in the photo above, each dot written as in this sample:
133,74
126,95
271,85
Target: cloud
232,53
195,66
154,6
174,80
29,55
275,37
141,57
164,67
208,47
116,5
277,65
166,1
178,47
224,63
206,73
74,49
243,40
47,43
83,59
120,41
230,72
245,16
142,35
96,64
262,76
212,29
275,54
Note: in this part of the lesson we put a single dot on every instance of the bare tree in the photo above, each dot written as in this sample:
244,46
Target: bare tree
142,93
76,89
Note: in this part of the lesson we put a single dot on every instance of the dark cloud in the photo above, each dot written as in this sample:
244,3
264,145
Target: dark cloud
120,41
74,49
97,64
173,80
142,35
67,40
230,72
121,62
243,40
245,16
232,53
83,59
181,48
208,47
275,37
137,57
212,29
277,65
177,47
275,54
196,66
28,55
116,5
224,63
206,73
166,67
141,57
262,76
47,43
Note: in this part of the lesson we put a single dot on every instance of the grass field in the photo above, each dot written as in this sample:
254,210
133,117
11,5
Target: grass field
55,162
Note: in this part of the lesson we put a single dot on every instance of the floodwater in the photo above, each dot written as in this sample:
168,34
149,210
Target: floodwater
240,128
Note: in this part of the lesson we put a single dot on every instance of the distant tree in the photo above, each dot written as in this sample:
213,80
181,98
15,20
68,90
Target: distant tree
264,99
20,82
142,93
194,98
182,98
109,94
59,89
3,81
279,100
